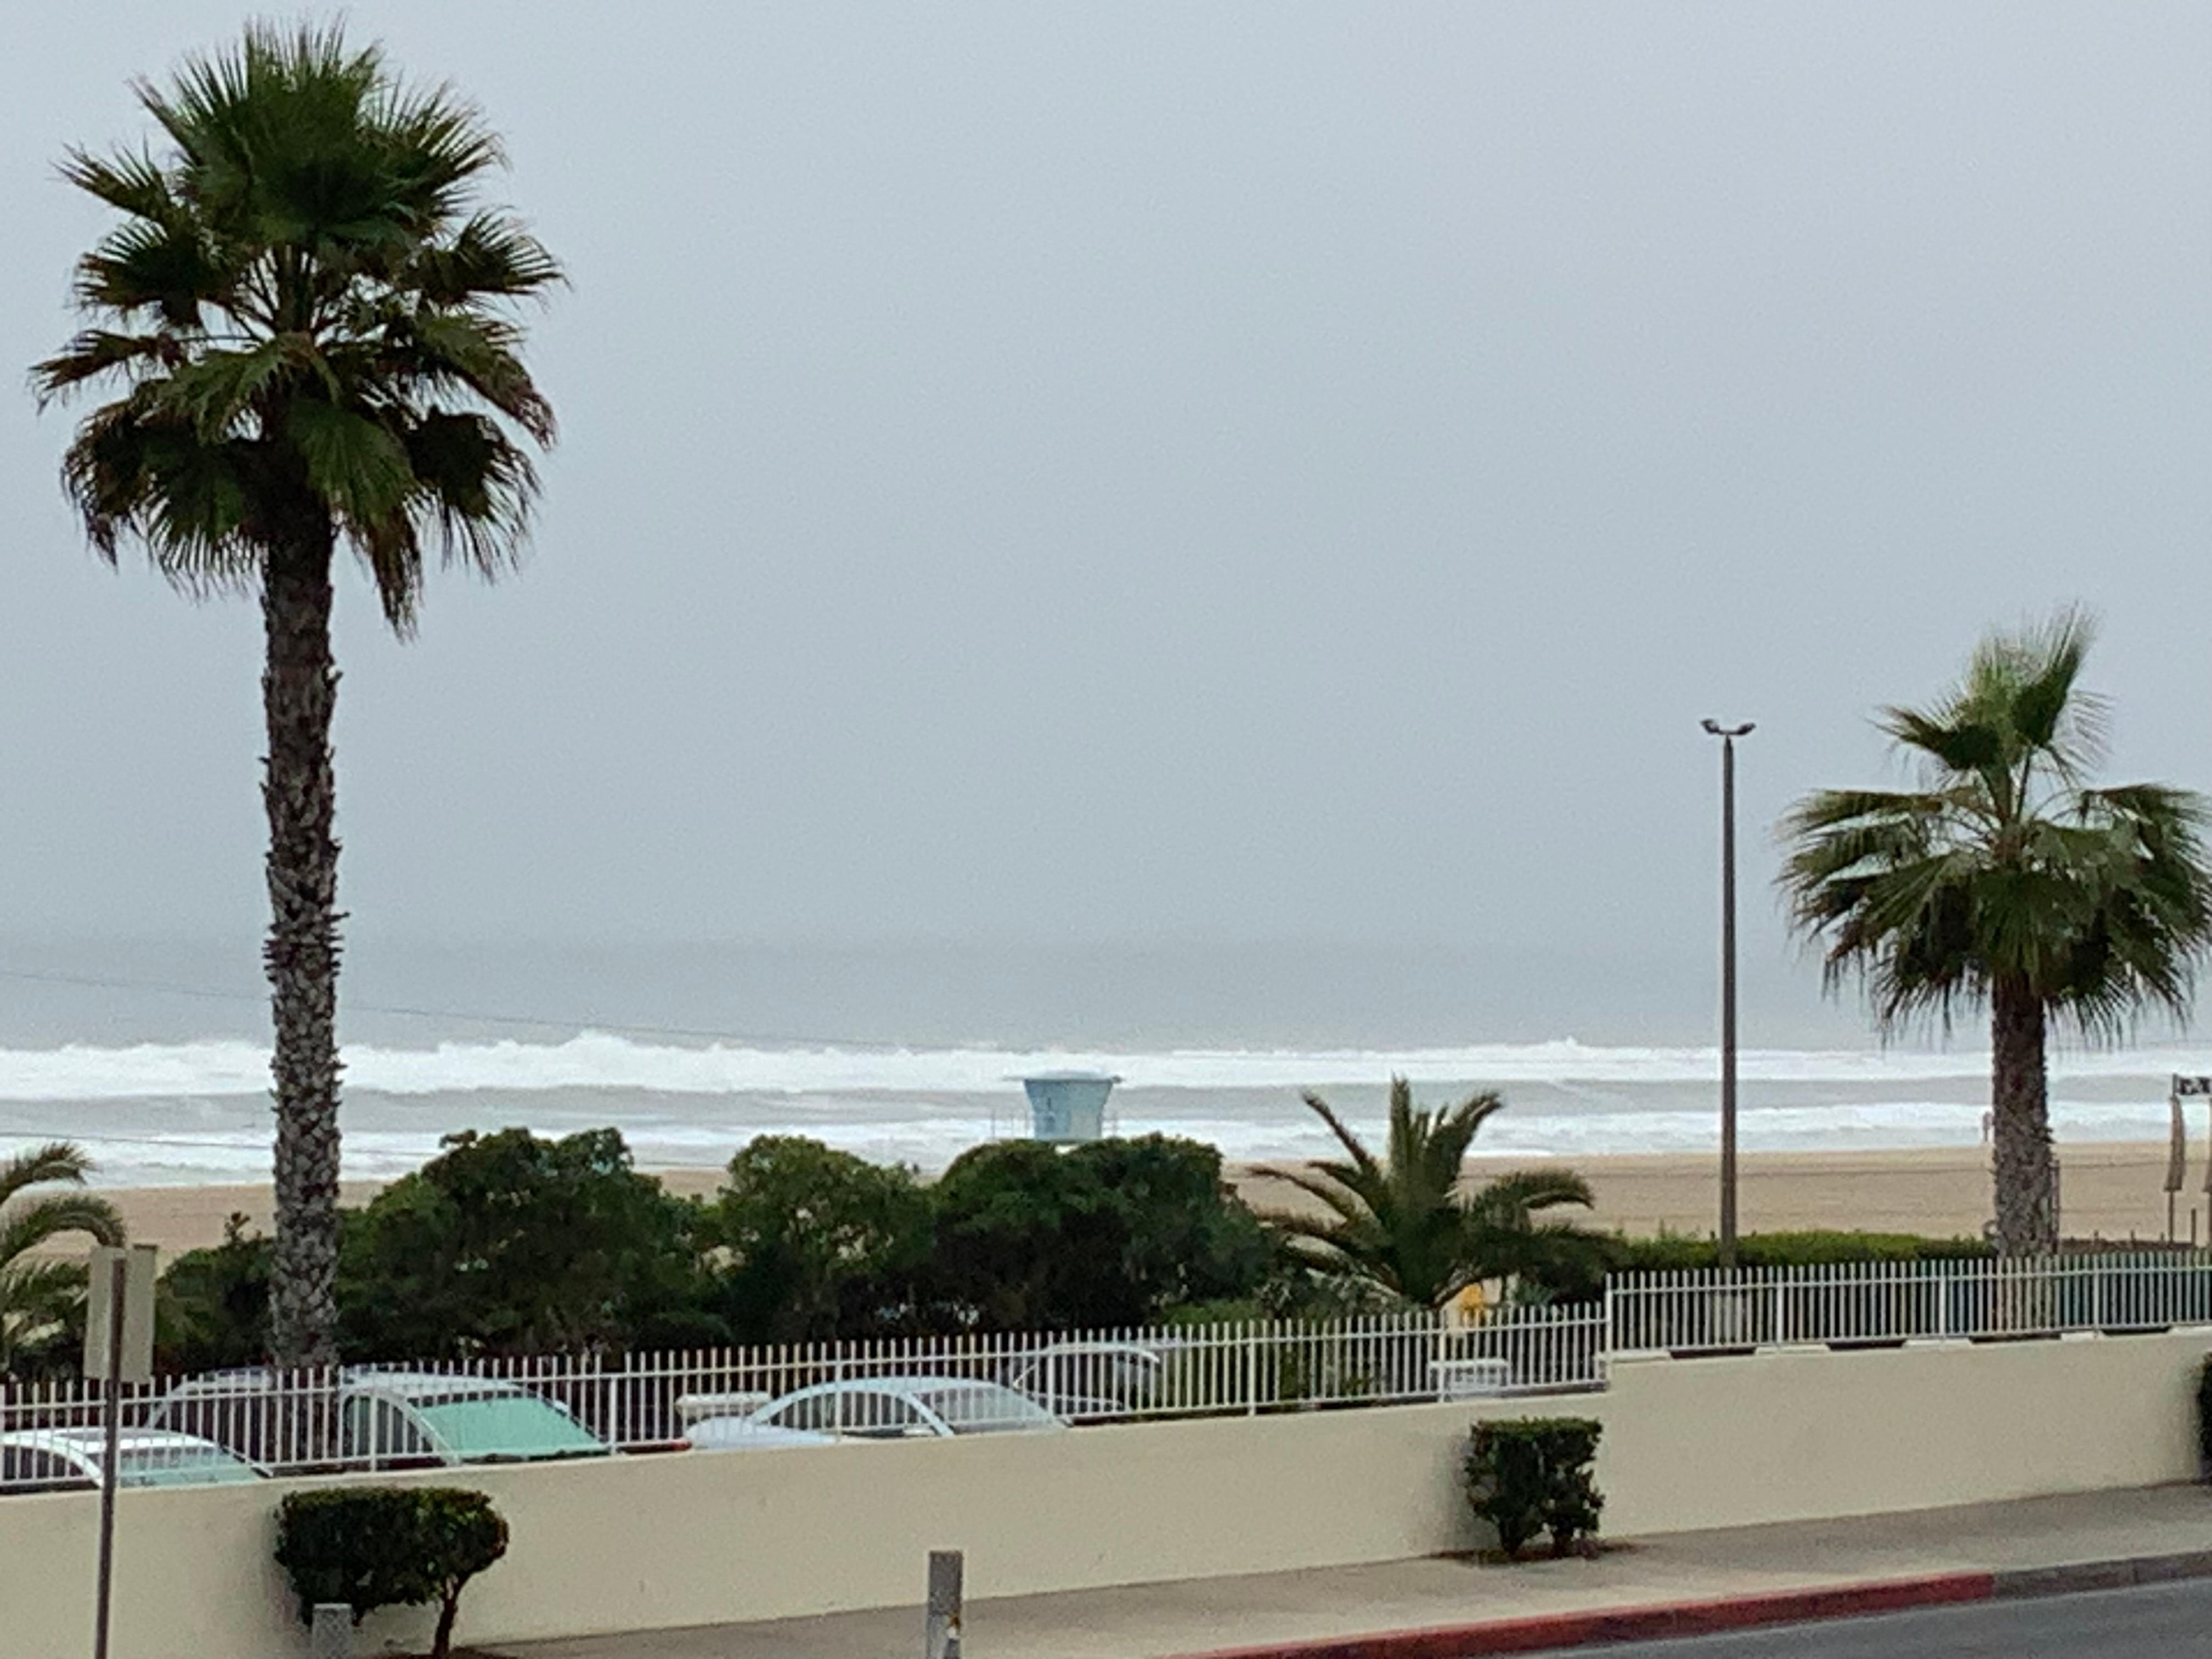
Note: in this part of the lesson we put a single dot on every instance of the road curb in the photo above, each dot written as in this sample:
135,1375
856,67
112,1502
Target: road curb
2122,1572
1634,1624
1653,1621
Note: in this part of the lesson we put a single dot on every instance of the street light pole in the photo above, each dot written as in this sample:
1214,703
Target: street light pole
1727,735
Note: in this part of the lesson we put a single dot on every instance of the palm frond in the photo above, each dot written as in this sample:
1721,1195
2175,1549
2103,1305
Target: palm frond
1509,1200
26,1225
303,285
1403,1222
2008,868
1363,1161
56,1161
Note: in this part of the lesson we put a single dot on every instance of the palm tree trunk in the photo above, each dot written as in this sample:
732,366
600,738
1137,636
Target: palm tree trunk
2027,1214
299,690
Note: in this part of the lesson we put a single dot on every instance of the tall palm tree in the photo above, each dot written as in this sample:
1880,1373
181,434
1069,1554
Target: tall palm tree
1404,1223
311,323
35,1291
2007,879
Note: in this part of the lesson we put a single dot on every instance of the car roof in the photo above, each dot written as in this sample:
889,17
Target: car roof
418,1385
91,1443
369,1379
906,1386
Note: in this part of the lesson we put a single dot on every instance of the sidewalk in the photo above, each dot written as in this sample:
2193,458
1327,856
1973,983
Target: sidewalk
2019,1542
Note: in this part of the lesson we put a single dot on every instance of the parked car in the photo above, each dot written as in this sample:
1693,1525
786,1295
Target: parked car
1082,1381
878,1408
379,1419
71,1460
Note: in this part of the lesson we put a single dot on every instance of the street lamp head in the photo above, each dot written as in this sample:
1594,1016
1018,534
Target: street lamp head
1720,730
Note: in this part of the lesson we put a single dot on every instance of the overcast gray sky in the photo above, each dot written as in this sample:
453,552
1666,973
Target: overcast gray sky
1068,472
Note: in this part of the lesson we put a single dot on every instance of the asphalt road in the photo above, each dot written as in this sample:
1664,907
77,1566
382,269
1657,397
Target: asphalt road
2166,1621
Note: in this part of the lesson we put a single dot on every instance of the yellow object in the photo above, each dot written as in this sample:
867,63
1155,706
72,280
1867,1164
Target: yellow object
1470,1305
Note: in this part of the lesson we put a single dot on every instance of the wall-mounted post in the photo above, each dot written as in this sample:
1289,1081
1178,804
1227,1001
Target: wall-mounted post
943,1636
330,1636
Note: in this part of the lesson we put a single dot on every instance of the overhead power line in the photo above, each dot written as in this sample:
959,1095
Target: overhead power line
518,1022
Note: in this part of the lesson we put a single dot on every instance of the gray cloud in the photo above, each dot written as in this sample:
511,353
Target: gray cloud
1234,472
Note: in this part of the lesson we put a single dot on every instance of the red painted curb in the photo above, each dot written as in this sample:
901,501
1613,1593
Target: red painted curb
1638,1624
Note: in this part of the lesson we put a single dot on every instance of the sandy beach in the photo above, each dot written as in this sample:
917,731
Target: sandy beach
2110,1190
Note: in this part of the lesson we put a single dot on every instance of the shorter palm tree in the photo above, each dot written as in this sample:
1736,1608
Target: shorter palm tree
2008,881
1404,1223
38,1293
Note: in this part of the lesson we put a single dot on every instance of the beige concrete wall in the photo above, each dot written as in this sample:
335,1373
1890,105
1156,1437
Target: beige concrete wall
1802,1436
707,1537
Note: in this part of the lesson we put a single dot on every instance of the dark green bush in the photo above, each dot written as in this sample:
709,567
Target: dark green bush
2204,1419
1031,1238
1533,1476
388,1546
1671,1252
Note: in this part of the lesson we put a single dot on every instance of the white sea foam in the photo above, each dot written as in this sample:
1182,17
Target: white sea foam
210,1069
199,1111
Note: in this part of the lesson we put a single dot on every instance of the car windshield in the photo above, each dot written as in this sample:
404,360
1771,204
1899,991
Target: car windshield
505,1425
978,1410
181,1466
1110,1375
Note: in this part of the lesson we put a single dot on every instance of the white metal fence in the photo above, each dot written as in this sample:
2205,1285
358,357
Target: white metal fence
384,1417
241,1425
1862,1304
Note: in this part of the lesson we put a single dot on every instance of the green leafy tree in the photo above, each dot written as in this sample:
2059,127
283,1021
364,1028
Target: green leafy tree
1406,1222
819,1244
2007,880
1108,1233
307,323
39,1294
1186,1237
509,1243
213,1309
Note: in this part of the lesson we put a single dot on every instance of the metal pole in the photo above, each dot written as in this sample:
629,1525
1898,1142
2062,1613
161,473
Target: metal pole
1728,1002
1727,735
113,1456
942,1636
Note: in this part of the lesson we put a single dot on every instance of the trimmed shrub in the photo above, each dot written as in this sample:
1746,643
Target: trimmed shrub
1671,1252
388,1546
2204,1419
1533,1476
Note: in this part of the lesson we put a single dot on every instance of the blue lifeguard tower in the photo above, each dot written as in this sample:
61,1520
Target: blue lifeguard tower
1067,1107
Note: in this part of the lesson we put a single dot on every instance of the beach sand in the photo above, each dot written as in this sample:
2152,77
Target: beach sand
2110,1191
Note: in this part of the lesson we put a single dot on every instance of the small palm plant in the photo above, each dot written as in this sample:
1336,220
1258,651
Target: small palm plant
2006,880
1404,1223
38,1293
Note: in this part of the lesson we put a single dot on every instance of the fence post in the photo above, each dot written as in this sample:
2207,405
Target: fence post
941,1636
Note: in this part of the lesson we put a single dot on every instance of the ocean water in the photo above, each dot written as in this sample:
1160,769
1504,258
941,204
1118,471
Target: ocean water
198,1111
154,1058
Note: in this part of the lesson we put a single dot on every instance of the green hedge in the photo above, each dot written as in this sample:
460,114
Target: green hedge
2204,1419
1533,1476
1669,1253
388,1546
